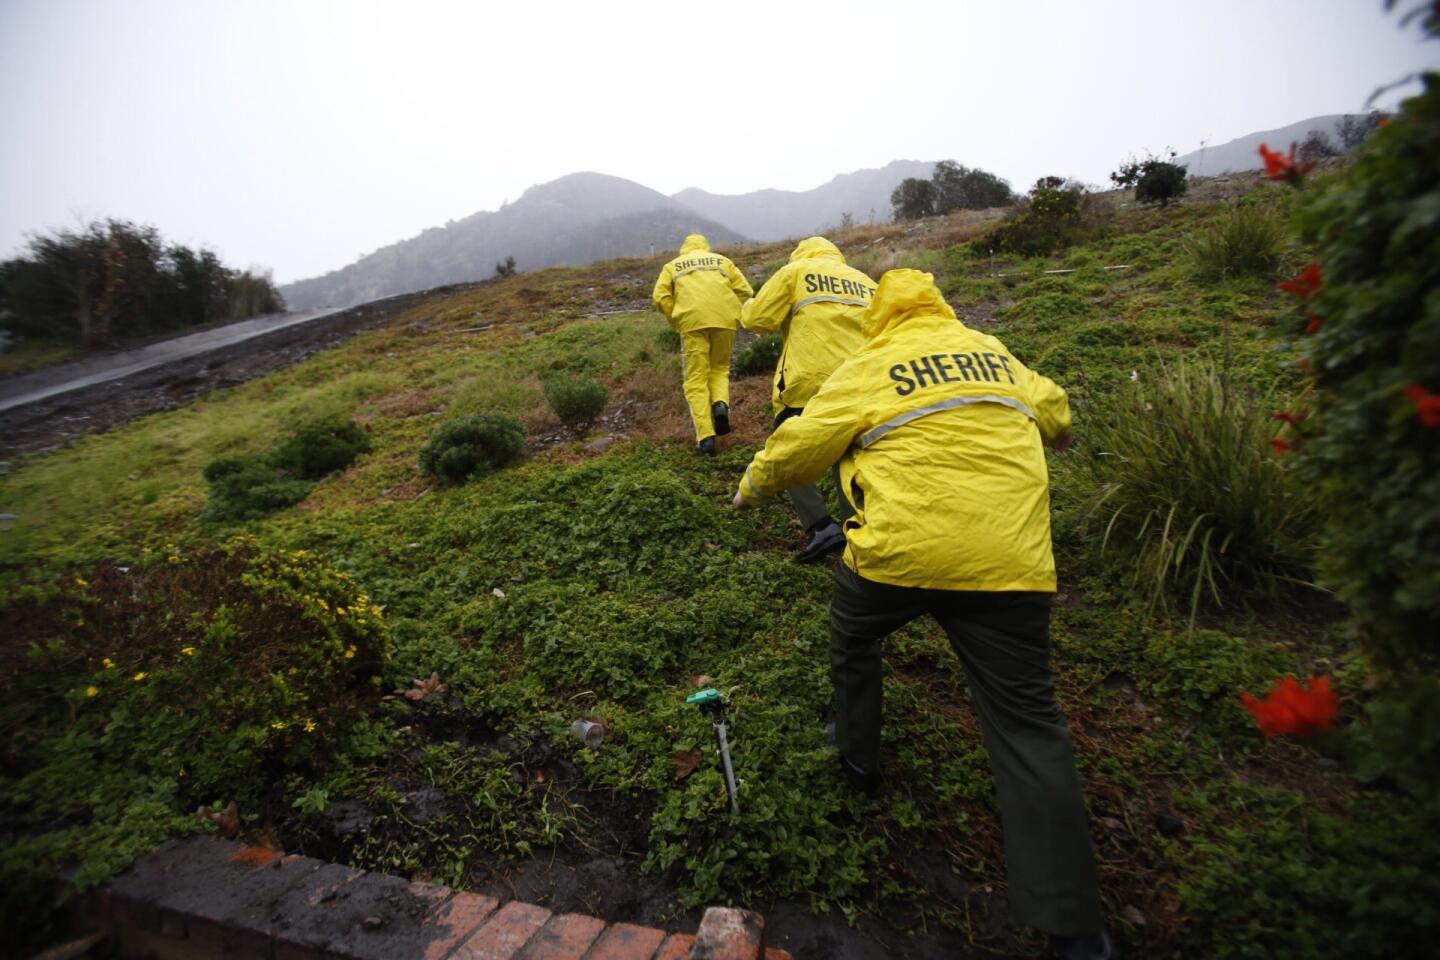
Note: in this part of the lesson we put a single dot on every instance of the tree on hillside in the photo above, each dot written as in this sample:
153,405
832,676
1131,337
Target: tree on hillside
958,187
505,268
1155,180
1353,128
913,199
1317,145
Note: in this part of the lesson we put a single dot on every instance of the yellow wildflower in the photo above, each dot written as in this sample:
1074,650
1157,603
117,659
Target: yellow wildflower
350,653
107,663
91,691
80,582
309,726
187,651
140,676
278,725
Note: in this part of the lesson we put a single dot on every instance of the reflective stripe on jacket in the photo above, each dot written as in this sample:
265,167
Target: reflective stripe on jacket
816,302
938,430
699,290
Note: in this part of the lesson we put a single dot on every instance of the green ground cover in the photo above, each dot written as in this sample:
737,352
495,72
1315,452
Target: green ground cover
609,584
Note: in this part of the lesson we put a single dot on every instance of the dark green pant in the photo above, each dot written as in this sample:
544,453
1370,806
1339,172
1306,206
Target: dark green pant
1003,640
809,502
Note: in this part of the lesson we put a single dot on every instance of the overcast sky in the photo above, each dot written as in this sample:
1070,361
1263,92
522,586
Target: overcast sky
299,135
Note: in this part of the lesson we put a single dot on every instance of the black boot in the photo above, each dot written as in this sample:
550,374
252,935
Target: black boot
720,416
706,447
861,782
824,537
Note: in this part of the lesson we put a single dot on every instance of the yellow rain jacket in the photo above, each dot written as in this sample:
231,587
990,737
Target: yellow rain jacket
938,430
700,290
816,302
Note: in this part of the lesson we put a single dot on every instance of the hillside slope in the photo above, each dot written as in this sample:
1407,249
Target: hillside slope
386,673
577,219
1243,153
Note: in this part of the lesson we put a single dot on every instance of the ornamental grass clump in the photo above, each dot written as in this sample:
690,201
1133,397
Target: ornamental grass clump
575,401
1248,240
472,447
1186,495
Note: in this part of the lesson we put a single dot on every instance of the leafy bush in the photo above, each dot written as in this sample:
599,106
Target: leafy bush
668,340
1186,494
182,681
575,401
472,447
1058,214
1155,180
913,199
1246,240
760,356
322,447
245,488
1372,452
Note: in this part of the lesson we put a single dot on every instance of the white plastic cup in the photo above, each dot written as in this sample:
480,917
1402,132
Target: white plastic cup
589,733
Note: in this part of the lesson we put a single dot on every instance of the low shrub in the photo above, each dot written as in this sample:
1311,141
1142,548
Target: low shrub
322,447
472,446
760,356
1186,495
245,488
1155,180
180,681
1246,240
575,401
1057,214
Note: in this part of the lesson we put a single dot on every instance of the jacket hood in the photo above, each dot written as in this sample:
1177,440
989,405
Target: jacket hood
901,295
816,247
695,243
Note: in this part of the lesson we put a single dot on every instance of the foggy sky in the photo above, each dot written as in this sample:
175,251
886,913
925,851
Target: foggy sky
299,135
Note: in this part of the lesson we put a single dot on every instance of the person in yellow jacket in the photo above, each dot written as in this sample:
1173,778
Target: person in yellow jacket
940,431
700,293
816,302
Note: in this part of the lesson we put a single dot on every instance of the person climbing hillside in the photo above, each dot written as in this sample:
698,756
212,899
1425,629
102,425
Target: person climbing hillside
700,293
939,431
816,302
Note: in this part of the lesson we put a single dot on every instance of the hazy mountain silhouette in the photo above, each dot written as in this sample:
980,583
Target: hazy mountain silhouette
778,214
576,219
1243,153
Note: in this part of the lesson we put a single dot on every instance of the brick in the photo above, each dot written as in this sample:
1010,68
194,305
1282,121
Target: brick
626,941
775,953
676,947
451,923
505,933
727,934
564,937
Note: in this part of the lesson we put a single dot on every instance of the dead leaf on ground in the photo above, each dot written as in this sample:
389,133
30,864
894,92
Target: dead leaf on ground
686,762
700,680
266,837
1133,915
710,547
227,821
427,689
497,592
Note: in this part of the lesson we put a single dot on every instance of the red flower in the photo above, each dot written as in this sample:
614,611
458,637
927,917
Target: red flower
1427,405
1279,166
1305,283
1294,419
1294,709
1312,321
1279,446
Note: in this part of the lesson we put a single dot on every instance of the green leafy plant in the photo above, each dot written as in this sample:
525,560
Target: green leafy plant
1057,214
472,446
1248,240
575,401
1371,449
1187,495
668,341
760,356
